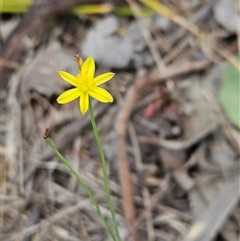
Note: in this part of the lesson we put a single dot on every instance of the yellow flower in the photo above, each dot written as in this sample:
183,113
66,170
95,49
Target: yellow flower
85,85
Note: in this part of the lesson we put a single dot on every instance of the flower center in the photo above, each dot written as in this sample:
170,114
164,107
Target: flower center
83,88
84,83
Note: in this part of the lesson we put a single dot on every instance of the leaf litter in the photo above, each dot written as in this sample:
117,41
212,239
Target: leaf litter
167,126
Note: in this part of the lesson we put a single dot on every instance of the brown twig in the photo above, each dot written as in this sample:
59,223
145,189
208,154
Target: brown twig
133,95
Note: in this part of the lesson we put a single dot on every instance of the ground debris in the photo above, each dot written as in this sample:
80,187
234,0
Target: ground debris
172,156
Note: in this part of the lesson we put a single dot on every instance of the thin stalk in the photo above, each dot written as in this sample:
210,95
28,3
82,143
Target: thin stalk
104,167
84,186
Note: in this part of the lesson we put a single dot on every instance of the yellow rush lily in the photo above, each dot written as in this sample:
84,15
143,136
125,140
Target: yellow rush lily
86,85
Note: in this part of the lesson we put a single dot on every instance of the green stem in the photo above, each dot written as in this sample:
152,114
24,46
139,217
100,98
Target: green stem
104,167
84,186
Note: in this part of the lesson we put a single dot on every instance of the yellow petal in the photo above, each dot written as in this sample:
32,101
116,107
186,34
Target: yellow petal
100,94
68,96
88,67
103,78
84,103
71,79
